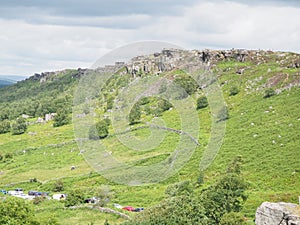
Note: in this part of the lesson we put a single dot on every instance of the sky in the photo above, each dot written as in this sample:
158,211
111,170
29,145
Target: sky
38,36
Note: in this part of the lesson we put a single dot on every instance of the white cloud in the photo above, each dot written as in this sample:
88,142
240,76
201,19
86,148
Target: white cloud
53,41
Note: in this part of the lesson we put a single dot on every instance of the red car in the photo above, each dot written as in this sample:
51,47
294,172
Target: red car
128,208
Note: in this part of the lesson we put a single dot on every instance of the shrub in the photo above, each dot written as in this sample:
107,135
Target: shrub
144,101
269,92
19,126
135,114
62,118
181,188
99,130
103,194
102,128
38,199
75,197
187,83
58,186
4,126
233,90
16,211
164,105
202,102
8,155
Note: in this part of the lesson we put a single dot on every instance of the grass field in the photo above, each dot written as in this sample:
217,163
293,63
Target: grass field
264,131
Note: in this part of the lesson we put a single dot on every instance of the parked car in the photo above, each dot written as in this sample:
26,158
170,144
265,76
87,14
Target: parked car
138,209
128,208
3,192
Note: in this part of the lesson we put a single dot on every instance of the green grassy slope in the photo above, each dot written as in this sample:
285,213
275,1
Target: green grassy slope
264,131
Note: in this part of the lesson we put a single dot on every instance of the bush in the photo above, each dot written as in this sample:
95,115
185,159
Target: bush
58,186
233,90
4,126
99,130
103,194
181,188
187,83
164,105
8,155
202,102
75,197
38,199
16,211
135,114
269,92
19,126
62,118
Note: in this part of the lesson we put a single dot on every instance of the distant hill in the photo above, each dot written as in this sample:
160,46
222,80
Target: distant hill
6,80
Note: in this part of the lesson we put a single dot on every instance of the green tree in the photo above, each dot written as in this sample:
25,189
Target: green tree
227,195
103,194
181,188
202,102
164,105
16,211
135,114
102,128
58,186
175,210
75,197
19,126
61,118
4,126
187,83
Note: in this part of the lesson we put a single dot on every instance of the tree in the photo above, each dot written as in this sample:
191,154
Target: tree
187,83
202,102
227,195
135,114
164,105
177,189
16,211
61,118
58,186
19,126
102,128
4,126
75,197
103,194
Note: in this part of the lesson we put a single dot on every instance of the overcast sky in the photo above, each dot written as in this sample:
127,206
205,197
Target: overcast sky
37,35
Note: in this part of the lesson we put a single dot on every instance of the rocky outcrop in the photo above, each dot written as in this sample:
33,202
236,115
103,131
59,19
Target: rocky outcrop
278,214
170,59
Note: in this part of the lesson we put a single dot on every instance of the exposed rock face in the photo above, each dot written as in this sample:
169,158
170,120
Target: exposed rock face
278,214
170,59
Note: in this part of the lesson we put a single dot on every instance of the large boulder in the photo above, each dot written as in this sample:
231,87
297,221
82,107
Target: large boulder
280,213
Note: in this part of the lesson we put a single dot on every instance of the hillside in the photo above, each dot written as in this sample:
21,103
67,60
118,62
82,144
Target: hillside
261,95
